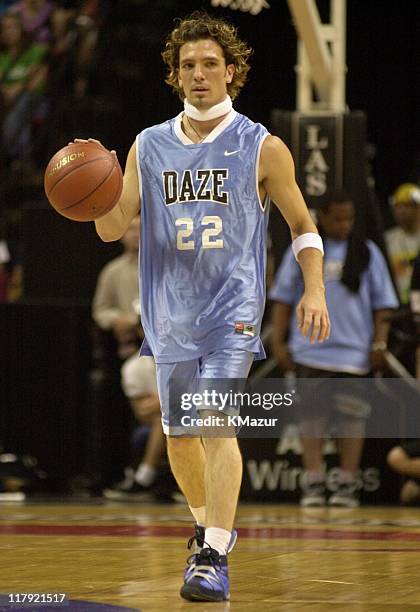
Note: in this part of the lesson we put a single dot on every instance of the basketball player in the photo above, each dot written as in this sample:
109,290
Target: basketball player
203,180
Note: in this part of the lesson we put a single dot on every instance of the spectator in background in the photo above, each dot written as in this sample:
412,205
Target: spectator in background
115,303
23,73
115,339
115,309
138,377
72,49
5,6
4,270
359,294
35,16
10,266
415,308
403,241
73,41
405,458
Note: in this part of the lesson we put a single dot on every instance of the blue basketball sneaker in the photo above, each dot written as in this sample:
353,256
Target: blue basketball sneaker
209,580
197,540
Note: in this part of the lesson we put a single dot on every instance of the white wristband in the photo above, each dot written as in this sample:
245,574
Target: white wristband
307,240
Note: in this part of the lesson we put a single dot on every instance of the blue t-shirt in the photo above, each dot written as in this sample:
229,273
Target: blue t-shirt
203,240
351,314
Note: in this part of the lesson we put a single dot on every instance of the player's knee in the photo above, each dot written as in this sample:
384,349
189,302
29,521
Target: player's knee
396,458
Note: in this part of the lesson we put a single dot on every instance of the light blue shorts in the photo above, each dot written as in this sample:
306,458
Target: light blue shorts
179,382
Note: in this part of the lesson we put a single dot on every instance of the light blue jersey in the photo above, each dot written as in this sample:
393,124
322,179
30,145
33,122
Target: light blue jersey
203,240
351,314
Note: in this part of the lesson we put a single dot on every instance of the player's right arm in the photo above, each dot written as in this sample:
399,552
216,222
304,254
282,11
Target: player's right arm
114,224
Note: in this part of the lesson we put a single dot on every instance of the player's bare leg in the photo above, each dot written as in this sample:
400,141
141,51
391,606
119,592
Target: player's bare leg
189,464
187,459
223,476
206,577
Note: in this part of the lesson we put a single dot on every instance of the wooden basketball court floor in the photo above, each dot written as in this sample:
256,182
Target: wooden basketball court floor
286,558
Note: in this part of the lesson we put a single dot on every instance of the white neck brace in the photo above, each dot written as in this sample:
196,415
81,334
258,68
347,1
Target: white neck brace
223,108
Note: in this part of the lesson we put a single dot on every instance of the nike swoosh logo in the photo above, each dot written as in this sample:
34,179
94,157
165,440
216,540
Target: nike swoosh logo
231,152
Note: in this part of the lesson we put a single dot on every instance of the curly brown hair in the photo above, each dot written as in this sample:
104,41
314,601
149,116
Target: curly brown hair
198,26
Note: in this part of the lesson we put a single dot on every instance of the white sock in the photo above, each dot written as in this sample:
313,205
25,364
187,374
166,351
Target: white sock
145,474
217,538
199,514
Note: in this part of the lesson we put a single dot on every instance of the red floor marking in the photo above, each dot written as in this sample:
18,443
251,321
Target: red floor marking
184,531
375,550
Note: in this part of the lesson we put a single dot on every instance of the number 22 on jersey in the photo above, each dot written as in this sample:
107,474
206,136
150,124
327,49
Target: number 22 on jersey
212,225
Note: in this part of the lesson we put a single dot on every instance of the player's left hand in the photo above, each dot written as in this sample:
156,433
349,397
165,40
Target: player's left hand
312,316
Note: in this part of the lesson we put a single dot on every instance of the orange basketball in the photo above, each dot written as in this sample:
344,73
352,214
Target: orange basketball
83,181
